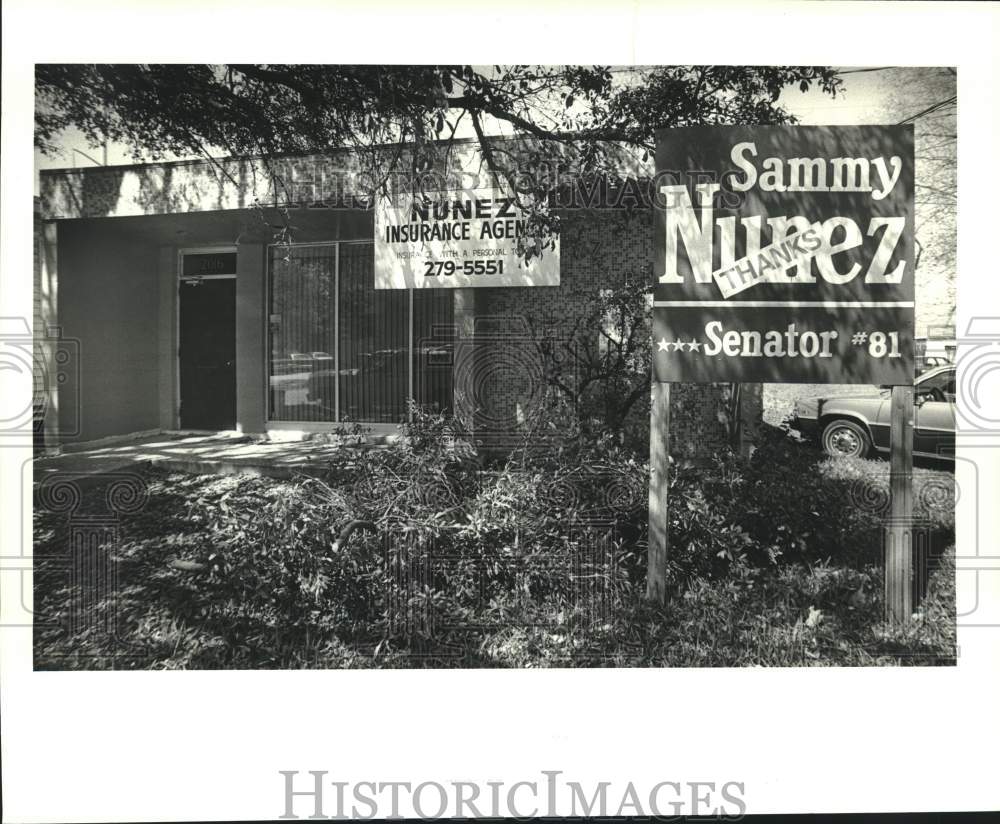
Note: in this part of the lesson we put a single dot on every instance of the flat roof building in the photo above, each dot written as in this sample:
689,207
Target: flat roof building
241,295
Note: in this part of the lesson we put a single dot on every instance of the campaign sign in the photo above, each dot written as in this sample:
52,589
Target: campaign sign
784,254
459,239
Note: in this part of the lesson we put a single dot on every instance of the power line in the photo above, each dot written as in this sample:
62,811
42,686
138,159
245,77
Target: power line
871,69
932,108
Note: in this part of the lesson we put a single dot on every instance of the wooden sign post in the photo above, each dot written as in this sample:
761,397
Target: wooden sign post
899,530
659,478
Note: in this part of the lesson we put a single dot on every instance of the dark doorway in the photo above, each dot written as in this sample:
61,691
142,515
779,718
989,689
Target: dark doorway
207,342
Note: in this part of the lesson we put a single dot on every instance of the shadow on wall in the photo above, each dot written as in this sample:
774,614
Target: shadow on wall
163,188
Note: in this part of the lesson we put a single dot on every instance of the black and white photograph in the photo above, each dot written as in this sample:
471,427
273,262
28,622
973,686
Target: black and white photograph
498,410
494,366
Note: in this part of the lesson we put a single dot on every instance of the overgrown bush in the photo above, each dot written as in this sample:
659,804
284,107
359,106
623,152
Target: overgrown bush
415,543
408,547
420,553
471,545
790,503
271,560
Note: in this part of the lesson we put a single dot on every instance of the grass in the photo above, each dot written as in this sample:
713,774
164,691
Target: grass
818,601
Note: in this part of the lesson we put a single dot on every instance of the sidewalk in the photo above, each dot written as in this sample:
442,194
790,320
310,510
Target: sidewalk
221,454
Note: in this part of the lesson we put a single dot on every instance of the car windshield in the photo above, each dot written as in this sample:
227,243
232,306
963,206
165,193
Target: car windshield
938,387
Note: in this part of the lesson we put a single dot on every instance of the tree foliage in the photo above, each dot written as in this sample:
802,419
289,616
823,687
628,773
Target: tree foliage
267,110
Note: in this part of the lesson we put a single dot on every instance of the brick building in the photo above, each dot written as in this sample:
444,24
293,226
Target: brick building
239,296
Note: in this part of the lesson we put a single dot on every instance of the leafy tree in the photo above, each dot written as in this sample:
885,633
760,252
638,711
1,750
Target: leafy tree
606,375
932,108
582,114
248,111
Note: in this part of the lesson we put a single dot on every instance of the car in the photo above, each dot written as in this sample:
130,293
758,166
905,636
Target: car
858,425
934,351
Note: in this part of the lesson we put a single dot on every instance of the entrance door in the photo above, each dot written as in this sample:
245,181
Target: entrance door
207,337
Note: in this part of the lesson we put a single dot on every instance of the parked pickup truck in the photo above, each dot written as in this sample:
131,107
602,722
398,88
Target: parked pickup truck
859,425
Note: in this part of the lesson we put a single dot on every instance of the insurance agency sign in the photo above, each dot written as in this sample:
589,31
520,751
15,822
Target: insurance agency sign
784,254
460,239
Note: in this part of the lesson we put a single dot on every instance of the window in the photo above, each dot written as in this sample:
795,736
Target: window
340,350
940,387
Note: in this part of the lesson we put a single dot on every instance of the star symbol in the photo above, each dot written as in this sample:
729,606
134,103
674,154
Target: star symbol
694,346
661,345
677,345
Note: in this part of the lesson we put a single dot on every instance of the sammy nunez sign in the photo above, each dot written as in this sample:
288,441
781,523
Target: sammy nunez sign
459,239
784,254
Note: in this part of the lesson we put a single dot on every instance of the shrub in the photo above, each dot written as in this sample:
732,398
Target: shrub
446,544
274,568
449,544
529,532
536,561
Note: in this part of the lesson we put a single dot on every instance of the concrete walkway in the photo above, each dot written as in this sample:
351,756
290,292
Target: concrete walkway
222,454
